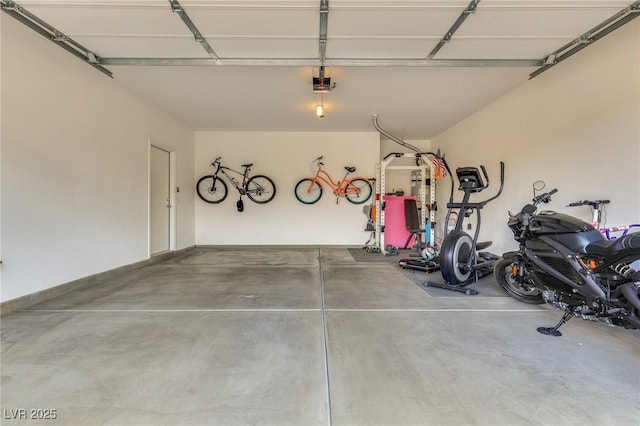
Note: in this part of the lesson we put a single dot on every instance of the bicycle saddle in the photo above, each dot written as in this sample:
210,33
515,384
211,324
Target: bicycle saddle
350,169
247,165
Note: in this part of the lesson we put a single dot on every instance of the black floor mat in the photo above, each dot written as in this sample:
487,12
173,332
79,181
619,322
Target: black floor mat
361,255
486,286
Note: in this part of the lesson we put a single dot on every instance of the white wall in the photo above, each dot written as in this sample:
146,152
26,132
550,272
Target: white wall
285,157
0,159
576,126
75,167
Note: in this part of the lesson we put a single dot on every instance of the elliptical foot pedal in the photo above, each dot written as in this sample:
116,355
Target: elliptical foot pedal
419,265
483,245
488,256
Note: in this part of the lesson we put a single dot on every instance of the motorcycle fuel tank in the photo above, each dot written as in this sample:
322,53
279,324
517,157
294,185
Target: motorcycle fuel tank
567,230
550,222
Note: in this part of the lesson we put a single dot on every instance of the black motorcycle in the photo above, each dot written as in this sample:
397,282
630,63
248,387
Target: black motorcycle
569,264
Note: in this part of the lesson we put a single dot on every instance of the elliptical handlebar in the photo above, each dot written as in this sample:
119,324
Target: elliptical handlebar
486,176
484,171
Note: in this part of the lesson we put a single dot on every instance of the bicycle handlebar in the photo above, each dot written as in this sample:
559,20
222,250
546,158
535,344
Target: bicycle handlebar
592,203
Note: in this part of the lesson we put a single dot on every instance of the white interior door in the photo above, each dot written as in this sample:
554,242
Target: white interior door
160,201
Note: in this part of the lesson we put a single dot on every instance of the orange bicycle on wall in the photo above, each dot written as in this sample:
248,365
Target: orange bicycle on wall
357,190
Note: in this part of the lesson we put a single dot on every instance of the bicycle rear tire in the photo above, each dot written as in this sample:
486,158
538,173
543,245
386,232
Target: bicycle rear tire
260,189
307,191
211,190
362,194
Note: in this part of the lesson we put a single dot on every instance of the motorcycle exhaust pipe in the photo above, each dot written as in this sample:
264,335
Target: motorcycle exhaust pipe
634,320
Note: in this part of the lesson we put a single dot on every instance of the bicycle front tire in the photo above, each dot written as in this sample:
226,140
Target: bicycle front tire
260,189
358,191
307,191
211,190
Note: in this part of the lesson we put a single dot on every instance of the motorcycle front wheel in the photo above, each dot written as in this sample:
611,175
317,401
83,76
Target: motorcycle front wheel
504,272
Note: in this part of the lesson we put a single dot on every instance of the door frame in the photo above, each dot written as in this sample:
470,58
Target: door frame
173,235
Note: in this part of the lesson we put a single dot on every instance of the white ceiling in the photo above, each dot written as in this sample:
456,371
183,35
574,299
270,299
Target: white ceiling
415,102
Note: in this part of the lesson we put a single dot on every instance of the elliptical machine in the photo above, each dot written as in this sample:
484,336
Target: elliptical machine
461,261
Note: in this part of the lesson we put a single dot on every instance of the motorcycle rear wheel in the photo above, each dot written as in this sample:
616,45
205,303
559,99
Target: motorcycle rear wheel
527,292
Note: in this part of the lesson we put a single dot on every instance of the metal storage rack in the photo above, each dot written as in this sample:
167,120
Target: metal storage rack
427,197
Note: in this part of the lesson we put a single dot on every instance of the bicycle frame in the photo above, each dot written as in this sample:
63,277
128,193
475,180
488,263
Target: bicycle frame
242,188
624,229
598,212
341,187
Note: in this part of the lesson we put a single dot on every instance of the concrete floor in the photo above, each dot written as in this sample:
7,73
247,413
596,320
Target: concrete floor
307,336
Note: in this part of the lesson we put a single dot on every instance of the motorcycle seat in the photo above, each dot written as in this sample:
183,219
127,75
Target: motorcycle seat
609,248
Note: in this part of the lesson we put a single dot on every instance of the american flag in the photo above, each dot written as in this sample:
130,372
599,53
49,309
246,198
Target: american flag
439,163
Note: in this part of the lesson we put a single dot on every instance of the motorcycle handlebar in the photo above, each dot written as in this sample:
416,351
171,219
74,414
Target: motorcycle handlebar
530,209
544,198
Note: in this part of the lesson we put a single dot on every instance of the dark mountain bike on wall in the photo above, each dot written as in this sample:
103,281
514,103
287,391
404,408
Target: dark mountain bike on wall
213,189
